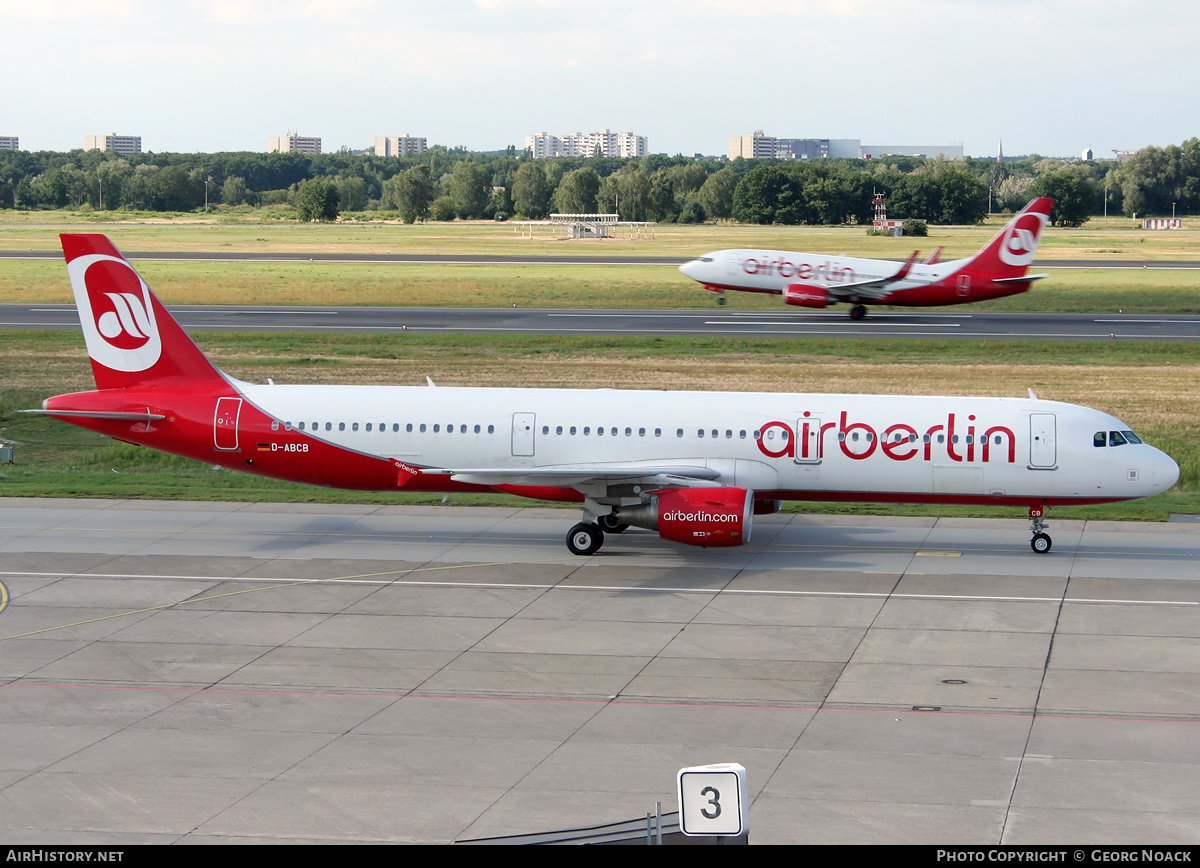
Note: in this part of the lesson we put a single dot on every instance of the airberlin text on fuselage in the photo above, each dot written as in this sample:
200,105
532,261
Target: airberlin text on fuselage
899,442
828,271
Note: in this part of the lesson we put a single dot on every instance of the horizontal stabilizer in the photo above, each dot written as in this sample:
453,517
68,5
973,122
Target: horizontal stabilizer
99,414
1024,278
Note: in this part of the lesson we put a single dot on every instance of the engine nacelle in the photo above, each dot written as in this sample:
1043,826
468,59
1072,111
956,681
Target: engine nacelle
805,296
711,517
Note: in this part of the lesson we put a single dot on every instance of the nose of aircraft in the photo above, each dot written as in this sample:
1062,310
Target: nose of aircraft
691,268
1166,471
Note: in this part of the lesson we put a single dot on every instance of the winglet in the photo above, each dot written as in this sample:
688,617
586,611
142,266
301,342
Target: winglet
934,257
906,267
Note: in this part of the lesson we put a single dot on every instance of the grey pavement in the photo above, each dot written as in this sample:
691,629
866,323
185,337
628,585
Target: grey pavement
204,672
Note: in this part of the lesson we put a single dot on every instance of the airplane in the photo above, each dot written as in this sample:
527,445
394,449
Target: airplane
816,280
694,466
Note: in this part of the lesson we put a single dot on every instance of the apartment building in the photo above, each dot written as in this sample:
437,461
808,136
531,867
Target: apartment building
604,142
112,142
398,146
294,144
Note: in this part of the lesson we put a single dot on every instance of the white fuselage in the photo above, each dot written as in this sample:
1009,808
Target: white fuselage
803,446
771,270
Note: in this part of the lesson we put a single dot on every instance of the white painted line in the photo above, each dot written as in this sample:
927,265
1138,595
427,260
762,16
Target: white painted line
624,589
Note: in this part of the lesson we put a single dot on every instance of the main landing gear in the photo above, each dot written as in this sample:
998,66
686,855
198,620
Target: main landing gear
858,311
1041,542
586,538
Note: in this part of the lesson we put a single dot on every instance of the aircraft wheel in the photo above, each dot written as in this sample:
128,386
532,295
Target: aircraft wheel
585,539
1040,543
608,524
720,299
858,311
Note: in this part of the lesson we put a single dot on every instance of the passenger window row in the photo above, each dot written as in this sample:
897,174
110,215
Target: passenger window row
381,427
1114,438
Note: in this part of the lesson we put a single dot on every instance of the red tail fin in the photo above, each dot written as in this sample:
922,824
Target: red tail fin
130,337
1010,253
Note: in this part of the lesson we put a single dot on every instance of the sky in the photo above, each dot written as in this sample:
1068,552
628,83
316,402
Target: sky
1052,77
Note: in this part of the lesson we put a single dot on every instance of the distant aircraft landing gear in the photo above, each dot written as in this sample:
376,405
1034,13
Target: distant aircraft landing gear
720,298
1041,542
858,311
585,539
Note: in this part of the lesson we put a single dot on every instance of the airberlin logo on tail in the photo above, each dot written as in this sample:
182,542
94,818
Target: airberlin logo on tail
127,324
1021,239
116,313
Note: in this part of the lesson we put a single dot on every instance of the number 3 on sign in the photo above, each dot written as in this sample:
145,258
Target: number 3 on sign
713,800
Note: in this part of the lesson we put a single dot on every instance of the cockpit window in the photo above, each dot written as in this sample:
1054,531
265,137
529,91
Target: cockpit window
1114,438
706,259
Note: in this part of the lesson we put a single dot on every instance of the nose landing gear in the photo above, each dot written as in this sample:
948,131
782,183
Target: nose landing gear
1041,542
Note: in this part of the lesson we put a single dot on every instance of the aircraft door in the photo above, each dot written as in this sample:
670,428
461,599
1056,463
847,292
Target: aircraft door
964,286
522,434
225,424
1042,449
808,441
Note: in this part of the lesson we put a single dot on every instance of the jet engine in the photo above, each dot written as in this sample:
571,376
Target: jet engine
805,296
710,517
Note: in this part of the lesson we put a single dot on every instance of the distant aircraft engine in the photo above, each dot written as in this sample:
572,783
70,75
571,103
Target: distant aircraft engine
709,517
805,296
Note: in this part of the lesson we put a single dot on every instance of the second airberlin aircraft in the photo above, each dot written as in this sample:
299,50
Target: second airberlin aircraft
816,281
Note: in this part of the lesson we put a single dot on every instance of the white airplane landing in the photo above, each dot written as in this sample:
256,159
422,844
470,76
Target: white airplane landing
816,280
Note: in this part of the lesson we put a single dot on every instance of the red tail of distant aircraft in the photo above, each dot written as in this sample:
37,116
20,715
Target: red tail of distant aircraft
694,466
812,280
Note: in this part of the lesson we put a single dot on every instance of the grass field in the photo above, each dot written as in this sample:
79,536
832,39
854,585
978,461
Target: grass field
311,283
1155,388
1100,239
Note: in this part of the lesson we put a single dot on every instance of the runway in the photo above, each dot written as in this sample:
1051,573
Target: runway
207,672
588,257
714,322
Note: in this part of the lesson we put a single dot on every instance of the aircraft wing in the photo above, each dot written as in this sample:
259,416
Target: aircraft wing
876,287
572,475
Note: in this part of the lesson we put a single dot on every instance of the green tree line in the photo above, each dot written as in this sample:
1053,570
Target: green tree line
449,183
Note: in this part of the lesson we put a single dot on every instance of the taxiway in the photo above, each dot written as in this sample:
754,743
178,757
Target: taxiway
207,672
683,323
